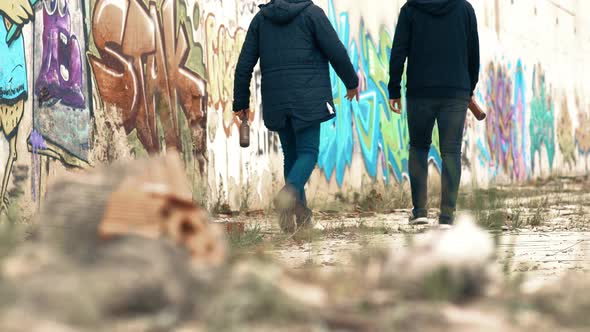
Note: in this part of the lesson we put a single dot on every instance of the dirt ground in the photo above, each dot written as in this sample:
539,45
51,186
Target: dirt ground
517,260
542,229
541,233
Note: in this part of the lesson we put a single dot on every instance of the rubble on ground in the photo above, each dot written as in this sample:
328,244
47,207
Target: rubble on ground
455,263
98,267
146,198
568,301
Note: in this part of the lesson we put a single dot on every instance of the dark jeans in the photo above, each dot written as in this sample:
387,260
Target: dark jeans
300,151
450,117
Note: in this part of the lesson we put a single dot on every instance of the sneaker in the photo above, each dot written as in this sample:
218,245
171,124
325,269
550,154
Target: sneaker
418,220
445,227
303,216
287,222
445,222
285,202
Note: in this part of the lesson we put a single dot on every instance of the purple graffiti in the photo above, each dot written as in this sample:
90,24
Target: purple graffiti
37,144
37,141
60,77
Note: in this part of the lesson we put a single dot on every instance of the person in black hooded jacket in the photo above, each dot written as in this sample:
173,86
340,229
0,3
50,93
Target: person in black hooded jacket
440,41
295,43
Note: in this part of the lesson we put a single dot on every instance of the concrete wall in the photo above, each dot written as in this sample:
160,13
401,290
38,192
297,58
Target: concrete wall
120,79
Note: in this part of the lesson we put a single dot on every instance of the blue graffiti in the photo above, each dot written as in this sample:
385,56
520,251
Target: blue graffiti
13,70
381,137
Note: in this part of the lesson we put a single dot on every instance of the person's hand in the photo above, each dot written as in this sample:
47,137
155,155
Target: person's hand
395,105
18,11
243,113
353,94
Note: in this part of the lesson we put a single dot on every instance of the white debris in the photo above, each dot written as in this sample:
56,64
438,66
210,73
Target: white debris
466,251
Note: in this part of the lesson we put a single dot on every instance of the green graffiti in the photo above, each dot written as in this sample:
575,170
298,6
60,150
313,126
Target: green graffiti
542,125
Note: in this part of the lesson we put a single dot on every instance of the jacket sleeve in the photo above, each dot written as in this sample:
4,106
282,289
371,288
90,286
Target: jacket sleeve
399,53
331,46
244,68
474,61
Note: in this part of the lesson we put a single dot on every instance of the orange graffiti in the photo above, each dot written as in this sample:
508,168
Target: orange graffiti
223,51
141,69
565,136
582,133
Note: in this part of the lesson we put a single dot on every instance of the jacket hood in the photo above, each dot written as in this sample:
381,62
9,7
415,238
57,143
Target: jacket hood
434,7
284,11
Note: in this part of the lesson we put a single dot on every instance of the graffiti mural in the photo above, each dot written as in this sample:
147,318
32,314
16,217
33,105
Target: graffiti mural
499,126
383,137
60,77
13,85
542,122
519,136
565,135
61,99
337,140
142,69
505,102
113,79
583,134
249,6
223,51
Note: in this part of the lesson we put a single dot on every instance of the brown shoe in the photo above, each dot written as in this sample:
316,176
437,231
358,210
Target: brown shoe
285,203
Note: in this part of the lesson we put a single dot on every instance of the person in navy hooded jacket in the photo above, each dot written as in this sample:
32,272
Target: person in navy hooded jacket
295,43
440,41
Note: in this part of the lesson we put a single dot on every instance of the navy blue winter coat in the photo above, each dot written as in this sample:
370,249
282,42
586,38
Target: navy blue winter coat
440,40
295,43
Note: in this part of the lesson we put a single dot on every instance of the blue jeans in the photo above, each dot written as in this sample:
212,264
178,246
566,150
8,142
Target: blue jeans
300,151
450,117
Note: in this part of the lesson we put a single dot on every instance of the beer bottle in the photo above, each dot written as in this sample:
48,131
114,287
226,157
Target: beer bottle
245,131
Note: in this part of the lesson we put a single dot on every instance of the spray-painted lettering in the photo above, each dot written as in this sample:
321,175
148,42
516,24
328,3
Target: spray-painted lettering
141,69
223,51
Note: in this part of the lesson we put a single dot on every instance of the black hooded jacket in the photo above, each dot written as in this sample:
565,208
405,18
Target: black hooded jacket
440,40
295,43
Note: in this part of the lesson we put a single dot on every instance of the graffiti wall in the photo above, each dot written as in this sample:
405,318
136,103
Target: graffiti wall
60,95
381,135
243,178
141,68
91,82
531,84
